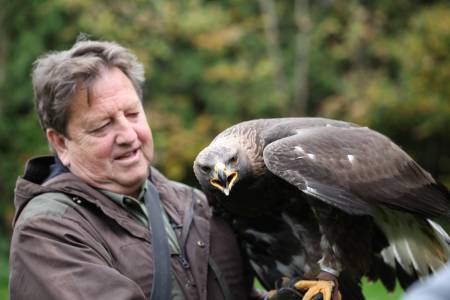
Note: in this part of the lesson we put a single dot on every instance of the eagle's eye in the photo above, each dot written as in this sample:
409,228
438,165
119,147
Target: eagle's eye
233,159
205,169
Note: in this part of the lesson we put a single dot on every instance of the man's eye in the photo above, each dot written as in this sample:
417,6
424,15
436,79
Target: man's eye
101,128
133,114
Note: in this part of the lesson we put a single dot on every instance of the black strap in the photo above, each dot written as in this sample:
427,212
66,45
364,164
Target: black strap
221,279
161,288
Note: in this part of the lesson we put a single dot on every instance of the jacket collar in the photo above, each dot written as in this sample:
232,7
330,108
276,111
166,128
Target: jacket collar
45,174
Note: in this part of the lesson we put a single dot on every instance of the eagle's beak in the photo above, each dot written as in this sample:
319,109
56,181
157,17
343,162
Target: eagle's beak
223,179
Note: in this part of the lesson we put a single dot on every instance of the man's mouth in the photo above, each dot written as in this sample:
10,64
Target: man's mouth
127,155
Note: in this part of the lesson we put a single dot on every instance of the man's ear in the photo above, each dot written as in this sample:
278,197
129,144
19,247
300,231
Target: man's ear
59,144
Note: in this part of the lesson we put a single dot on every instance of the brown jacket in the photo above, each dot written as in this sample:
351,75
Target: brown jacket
72,242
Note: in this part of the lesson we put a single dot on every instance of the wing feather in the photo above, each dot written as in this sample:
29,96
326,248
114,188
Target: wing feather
354,168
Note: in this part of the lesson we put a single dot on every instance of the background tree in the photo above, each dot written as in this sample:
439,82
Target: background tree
209,64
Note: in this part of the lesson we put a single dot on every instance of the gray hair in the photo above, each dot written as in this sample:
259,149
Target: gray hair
58,75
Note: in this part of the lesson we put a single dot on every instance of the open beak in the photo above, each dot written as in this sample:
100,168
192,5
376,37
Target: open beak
223,179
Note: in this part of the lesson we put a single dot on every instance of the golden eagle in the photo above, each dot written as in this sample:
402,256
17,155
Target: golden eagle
317,198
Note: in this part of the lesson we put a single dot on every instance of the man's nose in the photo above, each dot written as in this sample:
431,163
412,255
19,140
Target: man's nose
126,133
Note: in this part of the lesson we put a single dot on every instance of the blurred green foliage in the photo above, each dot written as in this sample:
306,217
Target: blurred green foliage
209,64
376,291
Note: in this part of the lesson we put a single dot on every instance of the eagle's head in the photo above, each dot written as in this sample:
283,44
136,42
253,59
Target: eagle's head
220,166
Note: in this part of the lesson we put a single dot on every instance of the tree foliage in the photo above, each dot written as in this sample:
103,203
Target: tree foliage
209,64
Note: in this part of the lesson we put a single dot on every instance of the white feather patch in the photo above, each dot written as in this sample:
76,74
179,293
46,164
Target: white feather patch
413,242
299,149
311,190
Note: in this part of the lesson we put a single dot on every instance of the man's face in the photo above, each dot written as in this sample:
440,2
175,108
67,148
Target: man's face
110,144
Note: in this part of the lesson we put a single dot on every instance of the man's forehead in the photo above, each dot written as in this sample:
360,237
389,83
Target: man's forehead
104,107
113,102
87,109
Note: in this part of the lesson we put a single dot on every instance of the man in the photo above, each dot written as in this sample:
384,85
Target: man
81,229
434,287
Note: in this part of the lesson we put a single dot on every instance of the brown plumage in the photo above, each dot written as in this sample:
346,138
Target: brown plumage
310,194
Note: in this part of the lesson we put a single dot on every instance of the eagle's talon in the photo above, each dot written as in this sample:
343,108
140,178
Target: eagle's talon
314,287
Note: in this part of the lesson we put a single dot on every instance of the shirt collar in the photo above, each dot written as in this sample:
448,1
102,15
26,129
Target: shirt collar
123,199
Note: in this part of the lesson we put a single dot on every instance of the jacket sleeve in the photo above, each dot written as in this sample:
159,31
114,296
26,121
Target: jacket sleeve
435,287
56,258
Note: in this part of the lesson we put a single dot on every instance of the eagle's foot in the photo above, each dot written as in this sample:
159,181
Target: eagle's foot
313,288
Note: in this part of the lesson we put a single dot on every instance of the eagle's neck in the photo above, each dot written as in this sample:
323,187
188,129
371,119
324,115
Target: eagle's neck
257,198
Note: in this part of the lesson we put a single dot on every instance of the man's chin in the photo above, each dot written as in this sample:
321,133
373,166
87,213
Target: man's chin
132,180
128,187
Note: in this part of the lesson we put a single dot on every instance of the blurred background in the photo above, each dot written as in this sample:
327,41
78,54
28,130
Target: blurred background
383,64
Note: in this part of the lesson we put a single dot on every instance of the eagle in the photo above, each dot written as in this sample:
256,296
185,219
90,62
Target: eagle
326,201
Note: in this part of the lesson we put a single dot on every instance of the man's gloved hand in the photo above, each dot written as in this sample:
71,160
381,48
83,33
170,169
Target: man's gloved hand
285,290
